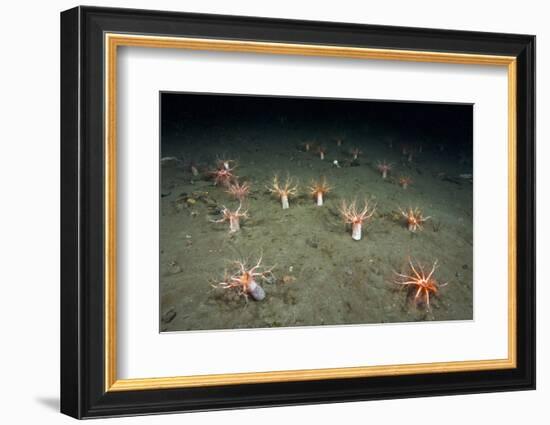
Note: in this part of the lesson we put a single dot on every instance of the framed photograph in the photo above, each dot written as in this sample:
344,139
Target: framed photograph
261,212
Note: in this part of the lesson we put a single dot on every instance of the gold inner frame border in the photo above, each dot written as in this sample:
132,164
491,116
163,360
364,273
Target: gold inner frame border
111,43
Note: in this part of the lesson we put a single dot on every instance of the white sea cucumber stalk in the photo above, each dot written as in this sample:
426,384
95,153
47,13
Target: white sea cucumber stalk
356,231
284,202
319,199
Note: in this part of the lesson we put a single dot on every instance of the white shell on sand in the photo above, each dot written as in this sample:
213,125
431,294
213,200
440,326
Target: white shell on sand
256,291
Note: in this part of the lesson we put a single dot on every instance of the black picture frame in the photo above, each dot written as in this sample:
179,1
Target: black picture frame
83,392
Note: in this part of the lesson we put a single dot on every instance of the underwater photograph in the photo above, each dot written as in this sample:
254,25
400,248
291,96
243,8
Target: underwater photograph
293,211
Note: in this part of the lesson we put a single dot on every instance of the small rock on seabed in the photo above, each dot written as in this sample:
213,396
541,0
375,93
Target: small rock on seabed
169,315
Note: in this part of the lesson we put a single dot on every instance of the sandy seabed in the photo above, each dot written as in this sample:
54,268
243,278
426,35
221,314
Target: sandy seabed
322,275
